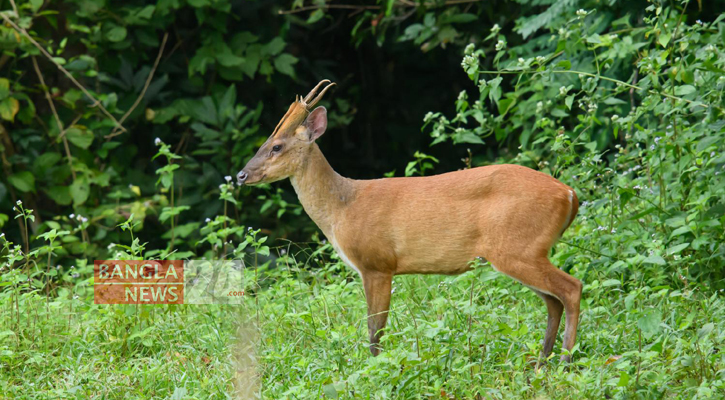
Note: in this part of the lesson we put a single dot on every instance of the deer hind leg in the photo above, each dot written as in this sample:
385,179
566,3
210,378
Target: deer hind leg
555,310
541,276
377,292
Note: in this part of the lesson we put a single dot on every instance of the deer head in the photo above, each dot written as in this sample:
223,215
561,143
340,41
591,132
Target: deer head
290,143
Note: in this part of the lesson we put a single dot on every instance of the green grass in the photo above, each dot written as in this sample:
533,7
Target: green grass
304,336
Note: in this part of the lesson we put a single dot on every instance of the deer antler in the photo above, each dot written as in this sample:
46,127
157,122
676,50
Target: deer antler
309,102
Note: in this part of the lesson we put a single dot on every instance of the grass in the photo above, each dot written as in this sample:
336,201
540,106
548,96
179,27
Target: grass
303,335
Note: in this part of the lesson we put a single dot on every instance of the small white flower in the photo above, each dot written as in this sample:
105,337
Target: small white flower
20,203
157,142
521,60
698,22
581,12
111,245
283,252
615,117
228,178
540,59
2,234
72,216
208,220
469,48
500,45
495,28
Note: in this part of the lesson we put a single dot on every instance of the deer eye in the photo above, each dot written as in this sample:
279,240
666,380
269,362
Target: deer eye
276,148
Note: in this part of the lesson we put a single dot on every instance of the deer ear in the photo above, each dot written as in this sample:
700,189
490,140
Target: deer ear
316,123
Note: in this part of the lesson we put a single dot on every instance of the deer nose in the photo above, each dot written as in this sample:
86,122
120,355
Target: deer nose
241,177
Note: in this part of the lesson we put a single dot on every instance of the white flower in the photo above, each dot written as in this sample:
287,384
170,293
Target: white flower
157,142
111,245
615,117
540,59
2,234
469,48
20,203
495,28
84,219
72,216
581,12
283,252
521,60
500,45
208,220
228,178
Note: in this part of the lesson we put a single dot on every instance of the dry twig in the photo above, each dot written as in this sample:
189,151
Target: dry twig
55,114
117,131
401,3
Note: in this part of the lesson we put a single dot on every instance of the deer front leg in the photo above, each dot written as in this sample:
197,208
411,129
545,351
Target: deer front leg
377,292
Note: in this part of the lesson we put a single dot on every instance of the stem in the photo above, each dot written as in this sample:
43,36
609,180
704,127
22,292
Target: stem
695,103
47,284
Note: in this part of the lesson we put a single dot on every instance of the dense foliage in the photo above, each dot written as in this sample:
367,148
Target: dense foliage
120,121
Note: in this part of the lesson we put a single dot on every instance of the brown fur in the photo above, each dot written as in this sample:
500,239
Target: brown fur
507,214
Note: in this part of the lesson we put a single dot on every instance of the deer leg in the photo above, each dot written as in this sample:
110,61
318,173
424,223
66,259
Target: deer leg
554,309
377,292
543,277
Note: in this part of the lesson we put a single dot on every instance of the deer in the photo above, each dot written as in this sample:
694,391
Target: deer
507,215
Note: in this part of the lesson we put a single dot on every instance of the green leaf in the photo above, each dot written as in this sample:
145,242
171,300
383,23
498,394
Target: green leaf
569,101
655,259
564,64
284,62
684,90
79,190
505,105
677,249
9,108
705,330
467,137
664,38
623,379
23,181
459,19
649,323
315,16
274,47
60,194
116,33
611,282
80,137
35,5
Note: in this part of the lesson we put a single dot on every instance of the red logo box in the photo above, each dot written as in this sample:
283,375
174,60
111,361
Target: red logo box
138,282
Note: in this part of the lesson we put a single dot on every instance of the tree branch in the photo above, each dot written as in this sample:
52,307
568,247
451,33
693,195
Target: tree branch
45,53
61,131
116,131
400,3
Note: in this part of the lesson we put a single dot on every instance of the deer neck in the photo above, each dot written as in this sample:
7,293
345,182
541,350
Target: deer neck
324,193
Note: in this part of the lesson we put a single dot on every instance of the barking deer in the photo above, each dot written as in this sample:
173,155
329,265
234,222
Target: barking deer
508,215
